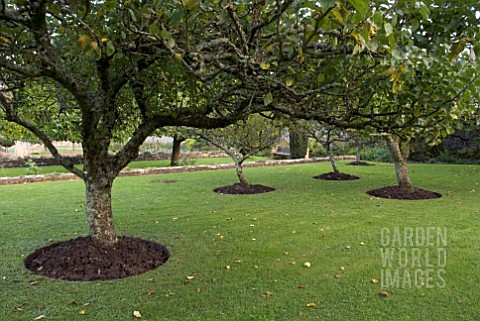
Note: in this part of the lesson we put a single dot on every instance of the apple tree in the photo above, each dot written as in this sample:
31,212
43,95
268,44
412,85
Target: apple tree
243,139
131,66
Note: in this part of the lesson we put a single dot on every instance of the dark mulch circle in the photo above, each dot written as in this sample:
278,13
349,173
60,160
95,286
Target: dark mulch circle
360,164
332,176
396,192
243,189
81,259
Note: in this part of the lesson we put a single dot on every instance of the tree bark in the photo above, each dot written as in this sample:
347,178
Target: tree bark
240,174
331,157
99,210
359,150
400,152
175,158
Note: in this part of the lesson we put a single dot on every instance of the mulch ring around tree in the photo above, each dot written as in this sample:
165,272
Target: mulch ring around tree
333,176
81,259
243,189
360,164
397,192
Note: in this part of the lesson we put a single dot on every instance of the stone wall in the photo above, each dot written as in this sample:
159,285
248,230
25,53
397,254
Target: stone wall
50,161
166,170
40,161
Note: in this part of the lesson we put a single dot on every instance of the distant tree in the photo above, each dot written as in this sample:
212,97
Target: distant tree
298,142
327,136
243,139
433,117
6,142
176,148
179,135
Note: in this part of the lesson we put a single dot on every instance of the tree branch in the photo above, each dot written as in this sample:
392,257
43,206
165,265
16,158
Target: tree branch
271,18
238,27
317,25
130,150
24,71
12,117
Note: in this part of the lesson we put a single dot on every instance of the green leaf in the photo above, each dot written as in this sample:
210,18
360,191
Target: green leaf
416,112
388,29
265,65
398,53
361,6
132,14
268,99
336,12
289,81
320,77
107,6
177,18
327,4
372,45
377,18
170,43
456,50
155,29
423,10
110,49
357,49
165,34
388,72
188,4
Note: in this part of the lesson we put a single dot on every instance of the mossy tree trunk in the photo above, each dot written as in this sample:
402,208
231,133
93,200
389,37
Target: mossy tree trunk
177,143
99,211
359,150
240,174
331,157
400,151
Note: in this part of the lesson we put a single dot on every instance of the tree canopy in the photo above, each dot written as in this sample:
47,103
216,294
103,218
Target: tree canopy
243,139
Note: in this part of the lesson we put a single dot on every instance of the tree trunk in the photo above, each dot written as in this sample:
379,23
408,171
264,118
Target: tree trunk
175,158
400,152
99,210
240,174
298,143
359,150
331,157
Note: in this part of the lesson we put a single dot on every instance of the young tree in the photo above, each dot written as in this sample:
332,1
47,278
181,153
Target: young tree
6,142
327,136
243,139
359,139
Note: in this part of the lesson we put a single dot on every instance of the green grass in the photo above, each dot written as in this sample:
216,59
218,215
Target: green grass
5,172
263,283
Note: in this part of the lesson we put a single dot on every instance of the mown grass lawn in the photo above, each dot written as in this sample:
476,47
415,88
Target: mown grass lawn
246,252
